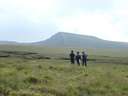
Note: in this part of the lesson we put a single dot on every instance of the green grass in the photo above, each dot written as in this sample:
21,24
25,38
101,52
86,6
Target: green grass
62,52
23,73
41,77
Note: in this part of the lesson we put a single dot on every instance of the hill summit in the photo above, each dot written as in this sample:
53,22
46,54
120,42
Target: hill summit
62,39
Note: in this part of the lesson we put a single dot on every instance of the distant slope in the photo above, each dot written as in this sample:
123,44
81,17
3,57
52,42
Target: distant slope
62,39
8,42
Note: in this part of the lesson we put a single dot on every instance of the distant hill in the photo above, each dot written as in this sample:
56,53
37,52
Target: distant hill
63,39
8,42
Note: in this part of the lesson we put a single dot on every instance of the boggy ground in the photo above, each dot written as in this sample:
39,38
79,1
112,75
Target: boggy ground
54,77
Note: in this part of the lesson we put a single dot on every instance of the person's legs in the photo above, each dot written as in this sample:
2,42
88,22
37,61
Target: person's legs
85,62
78,62
72,61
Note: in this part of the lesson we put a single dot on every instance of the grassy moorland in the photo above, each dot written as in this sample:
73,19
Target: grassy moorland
31,71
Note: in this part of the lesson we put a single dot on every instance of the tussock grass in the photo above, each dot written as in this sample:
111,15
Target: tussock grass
43,71
42,77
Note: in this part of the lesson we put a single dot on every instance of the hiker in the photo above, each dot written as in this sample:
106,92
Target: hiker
72,57
78,58
84,59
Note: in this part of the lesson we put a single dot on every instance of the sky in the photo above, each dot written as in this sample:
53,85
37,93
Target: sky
36,20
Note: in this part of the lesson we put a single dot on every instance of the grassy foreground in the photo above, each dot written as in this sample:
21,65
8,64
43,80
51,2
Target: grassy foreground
40,77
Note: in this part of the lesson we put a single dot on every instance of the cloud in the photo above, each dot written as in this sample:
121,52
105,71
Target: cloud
26,20
39,19
109,24
86,23
18,28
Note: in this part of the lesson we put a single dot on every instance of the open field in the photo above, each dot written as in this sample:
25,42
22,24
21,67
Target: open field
60,52
42,71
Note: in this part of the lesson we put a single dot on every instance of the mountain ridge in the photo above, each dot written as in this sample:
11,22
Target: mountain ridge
8,42
63,39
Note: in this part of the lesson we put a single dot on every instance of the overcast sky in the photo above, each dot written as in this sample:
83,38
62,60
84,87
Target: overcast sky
35,20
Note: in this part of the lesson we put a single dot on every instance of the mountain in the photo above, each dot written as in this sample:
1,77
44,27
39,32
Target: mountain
63,39
8,42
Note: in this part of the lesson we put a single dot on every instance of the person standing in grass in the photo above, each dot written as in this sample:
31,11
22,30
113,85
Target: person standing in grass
84,59
78,58
72,57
